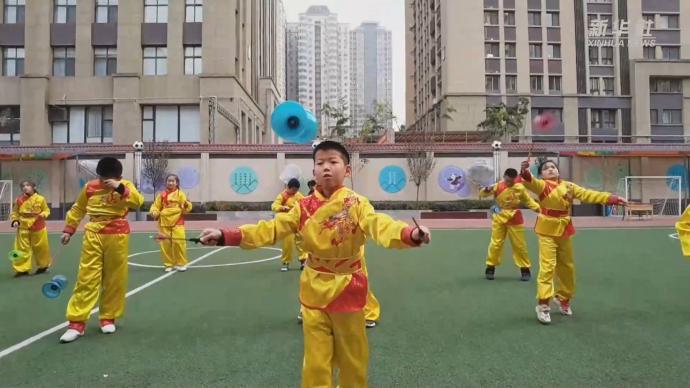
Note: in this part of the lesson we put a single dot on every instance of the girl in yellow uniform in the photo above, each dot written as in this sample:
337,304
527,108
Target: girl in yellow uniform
103,261
283,203
28,215
554,229
507,219
169,209
335,223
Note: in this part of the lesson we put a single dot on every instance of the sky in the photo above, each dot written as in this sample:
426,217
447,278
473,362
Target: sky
389,13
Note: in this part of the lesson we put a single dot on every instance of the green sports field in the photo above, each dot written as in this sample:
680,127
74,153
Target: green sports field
442,323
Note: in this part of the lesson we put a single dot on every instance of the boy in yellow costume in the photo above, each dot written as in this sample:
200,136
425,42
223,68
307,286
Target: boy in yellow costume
554,229
169,209
506,219
334,223
28,216
103,261
283,203
683,229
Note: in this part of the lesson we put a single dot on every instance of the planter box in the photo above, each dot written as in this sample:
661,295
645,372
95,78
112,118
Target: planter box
194,217
455,215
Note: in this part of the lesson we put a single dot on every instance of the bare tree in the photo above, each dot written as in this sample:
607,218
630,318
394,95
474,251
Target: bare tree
154,163
421,162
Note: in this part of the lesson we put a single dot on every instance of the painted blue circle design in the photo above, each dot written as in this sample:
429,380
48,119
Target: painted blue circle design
453,179
392,179
244,180
189,177
677,170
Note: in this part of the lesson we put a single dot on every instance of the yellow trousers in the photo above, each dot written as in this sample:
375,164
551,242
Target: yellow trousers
372,310
103,264
555,257
34,245
334,340
289,246
516,234
173,252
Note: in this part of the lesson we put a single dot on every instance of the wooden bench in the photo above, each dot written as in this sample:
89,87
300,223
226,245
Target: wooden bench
639,209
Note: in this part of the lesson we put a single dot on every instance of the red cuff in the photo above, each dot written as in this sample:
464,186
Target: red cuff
126,193
232,237
613,200
526,175
406,237
69,229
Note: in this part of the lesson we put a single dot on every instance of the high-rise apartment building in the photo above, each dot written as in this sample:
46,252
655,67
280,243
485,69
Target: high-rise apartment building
117,71
372,71
610,70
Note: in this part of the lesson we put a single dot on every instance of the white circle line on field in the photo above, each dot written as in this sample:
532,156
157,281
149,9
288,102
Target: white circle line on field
133,264
674,235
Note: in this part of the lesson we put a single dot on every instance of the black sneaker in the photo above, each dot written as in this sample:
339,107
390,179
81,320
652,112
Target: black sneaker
41,270
20,274
525,274
489,273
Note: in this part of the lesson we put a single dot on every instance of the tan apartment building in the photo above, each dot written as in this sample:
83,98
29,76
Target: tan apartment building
118,71
611,70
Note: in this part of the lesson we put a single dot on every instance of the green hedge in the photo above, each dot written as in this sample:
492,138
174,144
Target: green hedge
463,204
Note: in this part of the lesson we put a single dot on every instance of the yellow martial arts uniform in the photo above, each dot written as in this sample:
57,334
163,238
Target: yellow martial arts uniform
103,261
170,208
508,220
288,200
554,229
333,285
372,309
32,236
683,229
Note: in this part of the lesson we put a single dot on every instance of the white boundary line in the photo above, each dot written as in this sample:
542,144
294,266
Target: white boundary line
674,236
30,340
205,266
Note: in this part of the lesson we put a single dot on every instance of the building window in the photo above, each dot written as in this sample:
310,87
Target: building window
155,61
535,50
509,18
104,61
603,118
65,11
510,50
106,11
554,51
665,85
554,19
491,50
536,84
555,84
593,55
14,11
672,117
9,124
534,19
194,11
84,124
653,116
492,83
649,20
173,123
608,86
13,61
668,21
63,61
670,52
594,86
156,11
511,84
607,55
649,52
192,60
491,17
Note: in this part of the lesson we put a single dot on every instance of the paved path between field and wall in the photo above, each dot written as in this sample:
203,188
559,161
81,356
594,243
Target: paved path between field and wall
580,222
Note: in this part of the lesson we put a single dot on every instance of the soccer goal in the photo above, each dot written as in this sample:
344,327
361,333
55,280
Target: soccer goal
6,199
651,196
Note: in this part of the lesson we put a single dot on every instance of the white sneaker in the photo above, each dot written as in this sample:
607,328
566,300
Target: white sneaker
284,268
543,313
181,268
299,318
564,307
370,324
74,331
168,269
107,326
